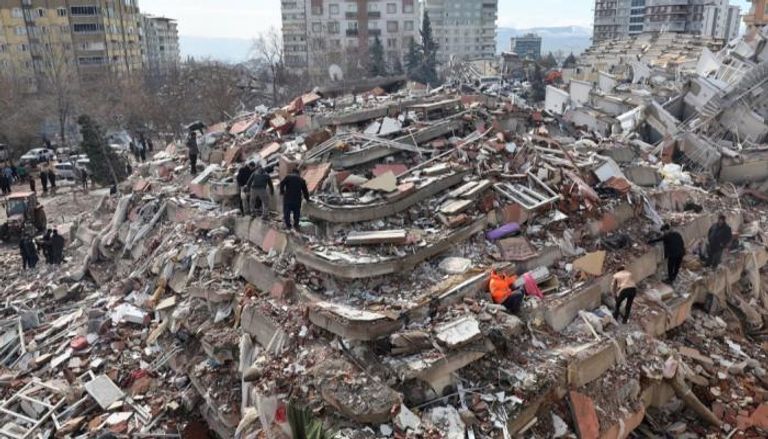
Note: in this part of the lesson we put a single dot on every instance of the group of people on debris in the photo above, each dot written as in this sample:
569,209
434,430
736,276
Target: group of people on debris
509,292
140,149
51,244
257,191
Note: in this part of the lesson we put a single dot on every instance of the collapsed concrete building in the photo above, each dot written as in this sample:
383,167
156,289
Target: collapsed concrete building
176,315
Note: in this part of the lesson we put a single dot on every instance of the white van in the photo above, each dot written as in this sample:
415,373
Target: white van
64,171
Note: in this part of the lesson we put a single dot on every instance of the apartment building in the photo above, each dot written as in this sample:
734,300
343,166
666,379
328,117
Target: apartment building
758,14
34,37
527,46
320,34
464,29
87,37
160,42
624,18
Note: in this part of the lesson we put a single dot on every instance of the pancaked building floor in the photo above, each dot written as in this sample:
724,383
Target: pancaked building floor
175,315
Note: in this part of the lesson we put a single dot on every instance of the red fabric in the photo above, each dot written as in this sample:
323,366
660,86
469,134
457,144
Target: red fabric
531,287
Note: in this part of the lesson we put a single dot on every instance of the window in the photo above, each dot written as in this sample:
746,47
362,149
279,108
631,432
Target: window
392,26
317,27
407,8
334,9
23,48
333,27
636,19
408,25
336,44
84,10
20,30
351,25
62,12
391,8
83,28
372,7
91,60
391,43
317,10
16,13
352,7
40,12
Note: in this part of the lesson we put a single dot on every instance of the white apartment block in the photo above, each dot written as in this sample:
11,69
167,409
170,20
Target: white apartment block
464,29
161,44
318,34
616,19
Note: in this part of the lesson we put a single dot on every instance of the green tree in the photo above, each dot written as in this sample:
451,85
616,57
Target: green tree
569,62
106,167
378,66
397,66
428,70
549,61
538,88
412,59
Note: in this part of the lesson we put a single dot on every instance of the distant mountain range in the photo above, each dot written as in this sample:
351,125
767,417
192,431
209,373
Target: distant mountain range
567,39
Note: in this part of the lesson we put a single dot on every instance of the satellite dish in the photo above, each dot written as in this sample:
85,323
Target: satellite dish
335,72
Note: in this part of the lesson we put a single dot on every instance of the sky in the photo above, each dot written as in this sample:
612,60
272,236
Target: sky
246,19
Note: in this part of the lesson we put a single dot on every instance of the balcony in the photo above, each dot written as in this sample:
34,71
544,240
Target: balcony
350,15
374,15
374,32
352,32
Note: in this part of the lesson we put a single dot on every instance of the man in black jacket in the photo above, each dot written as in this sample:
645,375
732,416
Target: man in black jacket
261,190
193,152
674,251
293,188
57,248
720,236
243,175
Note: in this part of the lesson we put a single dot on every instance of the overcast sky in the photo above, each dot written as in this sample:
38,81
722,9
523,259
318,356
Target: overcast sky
247,18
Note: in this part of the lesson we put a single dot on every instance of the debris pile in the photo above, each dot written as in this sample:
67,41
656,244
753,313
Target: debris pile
175,313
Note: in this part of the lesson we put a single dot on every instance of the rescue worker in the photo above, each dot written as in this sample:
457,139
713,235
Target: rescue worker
29,257
624,289
261,190
243,176
292,188
193,152
45,245
674,251
52,180
720,236
502,293
44,181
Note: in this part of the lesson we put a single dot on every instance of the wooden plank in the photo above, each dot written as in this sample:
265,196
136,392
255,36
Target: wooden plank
455,207
377,237
481,187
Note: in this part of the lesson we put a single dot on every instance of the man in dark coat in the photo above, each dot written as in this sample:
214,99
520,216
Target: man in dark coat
52,179
293,188
29,257
720,236
261,190
674,251
193,152
57,248
243,175
44,181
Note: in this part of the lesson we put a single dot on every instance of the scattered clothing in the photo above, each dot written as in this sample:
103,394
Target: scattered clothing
531,287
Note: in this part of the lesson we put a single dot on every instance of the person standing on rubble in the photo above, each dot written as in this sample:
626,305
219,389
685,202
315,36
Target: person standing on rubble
243,176
193,152
45,245
674,251
57,248
625,289
500,287
261,190
292,188
52,180
84,178
29,257
720,237
44,180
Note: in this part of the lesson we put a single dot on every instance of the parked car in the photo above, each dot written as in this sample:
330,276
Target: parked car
65,171
37,155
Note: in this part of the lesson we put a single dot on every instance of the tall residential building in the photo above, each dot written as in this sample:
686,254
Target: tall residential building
758,14
721,21
160,41
623,18
527,46
87,37
464,29
320,34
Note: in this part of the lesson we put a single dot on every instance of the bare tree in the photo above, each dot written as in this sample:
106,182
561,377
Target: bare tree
59,80
268,48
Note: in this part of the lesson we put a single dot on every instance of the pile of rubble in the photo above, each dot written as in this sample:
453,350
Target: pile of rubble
176,314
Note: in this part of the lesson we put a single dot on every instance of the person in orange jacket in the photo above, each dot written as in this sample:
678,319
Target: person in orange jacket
503,294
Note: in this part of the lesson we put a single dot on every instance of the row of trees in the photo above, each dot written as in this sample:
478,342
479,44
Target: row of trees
420,61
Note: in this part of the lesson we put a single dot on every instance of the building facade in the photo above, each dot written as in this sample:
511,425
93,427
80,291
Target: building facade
464,29
527,46
758,14
43,38
330,39
623,18
160,42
